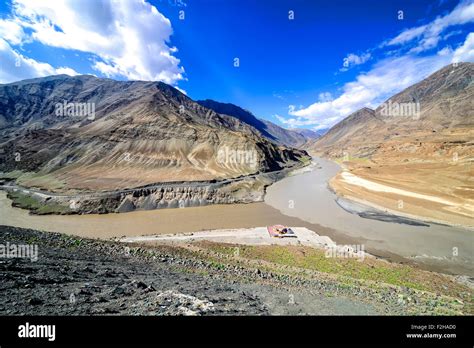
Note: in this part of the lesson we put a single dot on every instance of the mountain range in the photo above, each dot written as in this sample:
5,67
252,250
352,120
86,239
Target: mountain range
297,138
136,133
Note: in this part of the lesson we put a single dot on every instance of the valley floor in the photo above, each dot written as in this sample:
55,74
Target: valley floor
426,175
428,192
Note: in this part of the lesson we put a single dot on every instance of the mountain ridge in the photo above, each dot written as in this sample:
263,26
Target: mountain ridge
141,132
267,128
433,95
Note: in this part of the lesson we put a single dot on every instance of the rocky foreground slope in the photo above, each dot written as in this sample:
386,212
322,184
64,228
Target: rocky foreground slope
73,276
83,133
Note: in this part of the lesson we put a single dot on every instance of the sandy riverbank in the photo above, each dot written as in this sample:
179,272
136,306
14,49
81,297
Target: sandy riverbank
389,196
254,236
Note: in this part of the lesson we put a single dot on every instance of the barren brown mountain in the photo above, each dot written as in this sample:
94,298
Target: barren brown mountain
138,133
414,153
289,137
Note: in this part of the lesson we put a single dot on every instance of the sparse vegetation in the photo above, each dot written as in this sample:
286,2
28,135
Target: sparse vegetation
25,201
44,181
15,174
370,270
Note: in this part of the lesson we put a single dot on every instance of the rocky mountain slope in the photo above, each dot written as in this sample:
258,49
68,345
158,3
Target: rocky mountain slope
349,133
63,133
419,142
440,102
269,130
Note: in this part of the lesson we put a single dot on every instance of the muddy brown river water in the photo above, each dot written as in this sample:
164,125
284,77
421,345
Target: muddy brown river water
299,200
307,197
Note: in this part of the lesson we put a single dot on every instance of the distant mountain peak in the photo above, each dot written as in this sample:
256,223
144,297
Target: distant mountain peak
268,129
443,100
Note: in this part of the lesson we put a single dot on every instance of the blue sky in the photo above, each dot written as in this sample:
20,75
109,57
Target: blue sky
310,70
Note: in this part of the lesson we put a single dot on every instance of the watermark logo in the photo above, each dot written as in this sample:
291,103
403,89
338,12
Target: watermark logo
455,157
19,251
75,110
400,204
395,109
73,205
228,156
138,158
346,251
37,331
345,63
127,157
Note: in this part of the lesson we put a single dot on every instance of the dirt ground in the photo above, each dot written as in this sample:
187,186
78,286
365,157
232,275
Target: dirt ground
86,277
431,178
75,276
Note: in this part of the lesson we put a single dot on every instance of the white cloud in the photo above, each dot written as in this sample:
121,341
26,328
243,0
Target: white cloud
320,127
303,122
452,33
390,75
66,71
12,31
278,96
325,97
279,118
181,90
430,35
353,59
465,53
408,35
127,38
14,66
386,78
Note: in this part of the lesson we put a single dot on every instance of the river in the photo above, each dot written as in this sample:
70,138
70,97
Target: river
299,200
308,197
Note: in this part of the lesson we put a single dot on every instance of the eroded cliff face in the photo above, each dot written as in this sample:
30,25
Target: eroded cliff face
175,196
245,189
